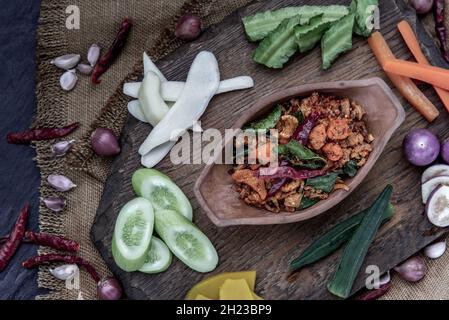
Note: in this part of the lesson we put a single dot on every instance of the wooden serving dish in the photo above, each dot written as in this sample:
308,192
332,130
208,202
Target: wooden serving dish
216,192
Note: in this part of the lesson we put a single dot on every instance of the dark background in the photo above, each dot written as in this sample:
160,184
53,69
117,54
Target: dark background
19,176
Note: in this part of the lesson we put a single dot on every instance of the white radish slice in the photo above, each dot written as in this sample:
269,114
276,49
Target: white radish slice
151,159
435,171
131,89
436,250
437,208
148,65
153,106
135,110
431,185
201,85
170,90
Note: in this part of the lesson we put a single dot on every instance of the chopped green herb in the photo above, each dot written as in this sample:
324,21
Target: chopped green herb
307,203
350,168
324,183
269,122
301,156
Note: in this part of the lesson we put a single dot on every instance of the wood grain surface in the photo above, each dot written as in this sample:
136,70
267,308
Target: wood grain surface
269,249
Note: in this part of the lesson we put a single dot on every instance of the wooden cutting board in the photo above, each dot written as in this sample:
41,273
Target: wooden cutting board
269,249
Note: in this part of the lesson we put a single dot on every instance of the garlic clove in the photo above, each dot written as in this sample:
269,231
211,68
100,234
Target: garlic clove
61,148
84,69
60,182
93,54
66,62
68,80
435,250
65,272
54,203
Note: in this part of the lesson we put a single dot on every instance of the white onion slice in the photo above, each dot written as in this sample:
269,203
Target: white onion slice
201,85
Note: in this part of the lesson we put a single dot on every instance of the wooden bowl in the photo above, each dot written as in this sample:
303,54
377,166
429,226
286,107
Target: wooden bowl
215,189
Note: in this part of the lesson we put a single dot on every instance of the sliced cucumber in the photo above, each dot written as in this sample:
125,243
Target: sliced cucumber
258,26
132,234
337,40
308,36
158,257
186,241
276,49
161,191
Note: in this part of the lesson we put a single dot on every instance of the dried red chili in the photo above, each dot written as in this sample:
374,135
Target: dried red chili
303,131
9,248
37,134
375,293
52,257
106,61
47,240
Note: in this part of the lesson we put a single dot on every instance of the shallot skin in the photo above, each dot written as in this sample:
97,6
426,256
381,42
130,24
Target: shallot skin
104,142
109,289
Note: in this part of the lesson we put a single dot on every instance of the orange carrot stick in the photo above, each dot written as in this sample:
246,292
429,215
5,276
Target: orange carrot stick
412,43
434,75
404,85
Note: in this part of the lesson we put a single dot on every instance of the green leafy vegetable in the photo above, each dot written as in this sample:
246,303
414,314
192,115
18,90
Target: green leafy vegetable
299,116
269,122
277,48
324,183
301,156
258,26
333,239
364,14
307,203
307,36
357,248
337,40
351,168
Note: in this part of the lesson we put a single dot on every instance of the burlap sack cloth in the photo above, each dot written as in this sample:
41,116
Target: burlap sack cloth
88,104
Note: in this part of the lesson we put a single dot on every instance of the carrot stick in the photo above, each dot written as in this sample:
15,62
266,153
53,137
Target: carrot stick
434,75
412,43
404,85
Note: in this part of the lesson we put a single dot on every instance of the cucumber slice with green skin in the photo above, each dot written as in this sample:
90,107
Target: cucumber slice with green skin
186,241
337,40
363,13
276,49
132,234
161,191
258,26
158,257
308,36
